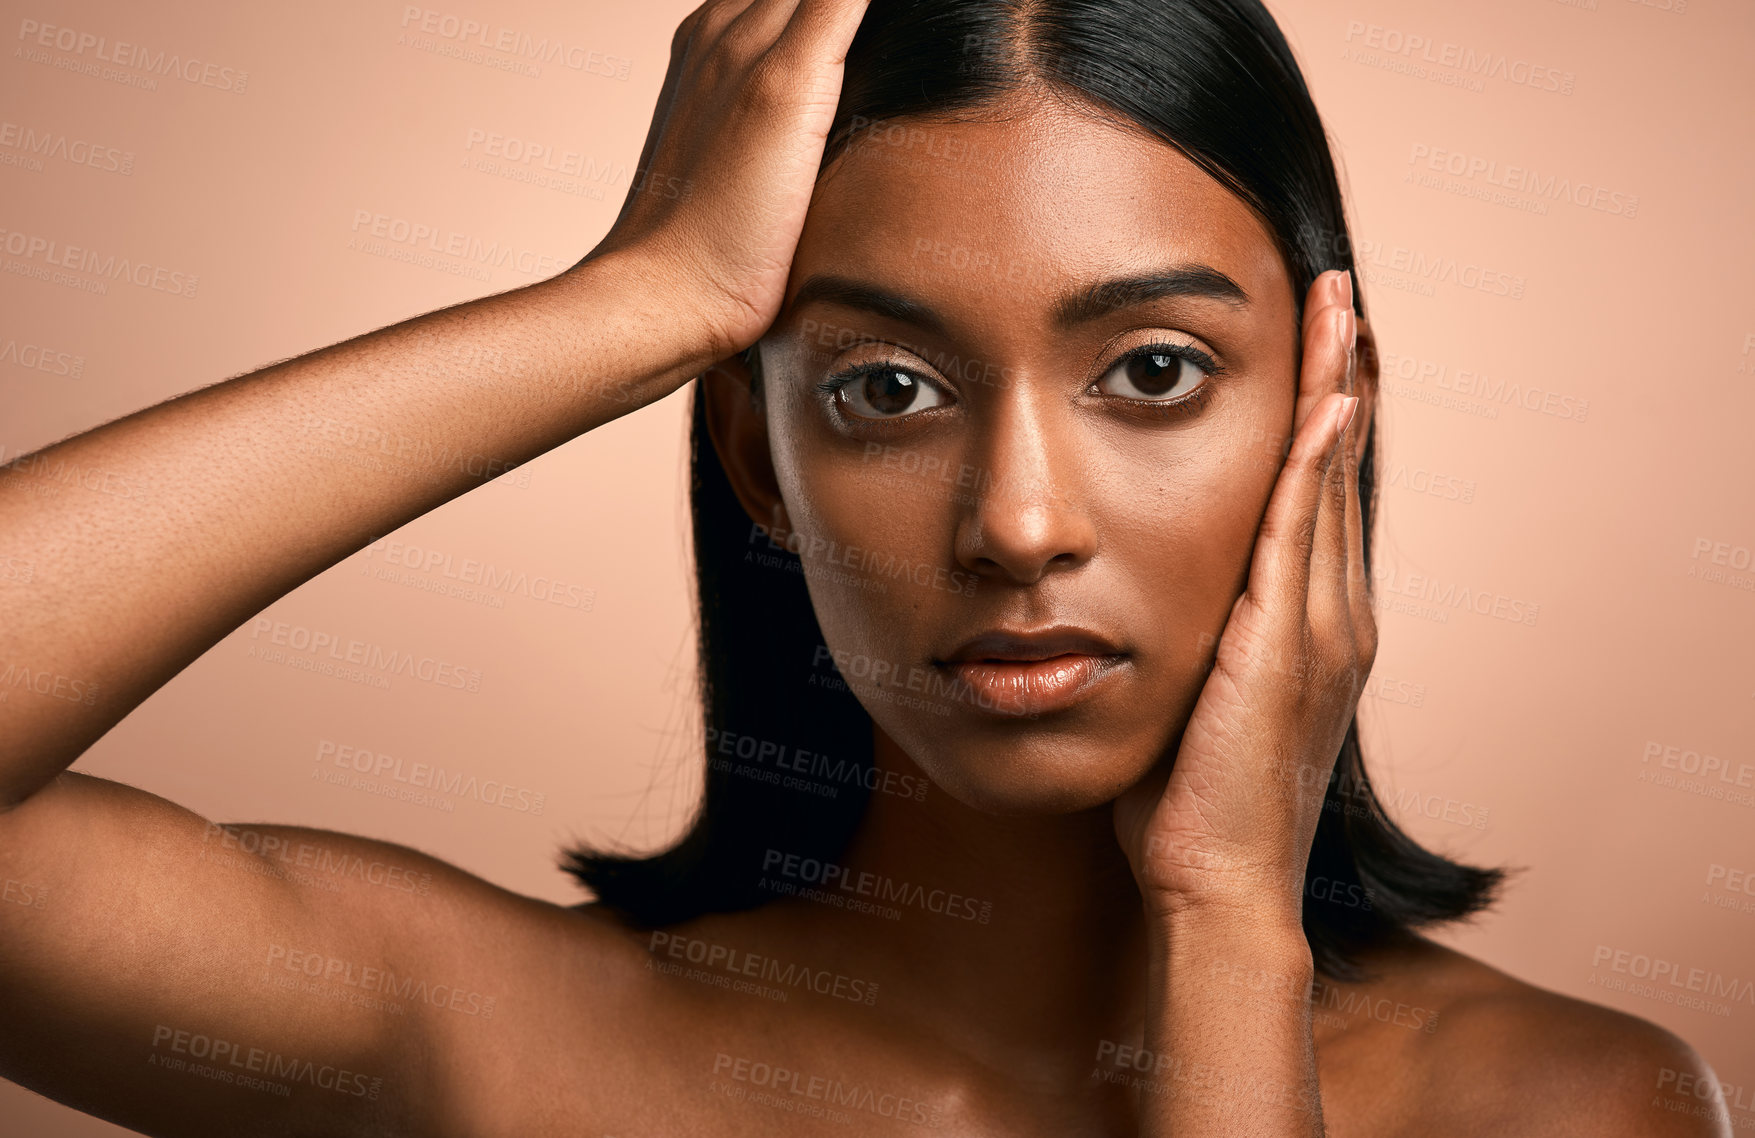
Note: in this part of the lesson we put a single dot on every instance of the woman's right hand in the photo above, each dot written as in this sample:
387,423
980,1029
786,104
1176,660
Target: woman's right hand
731,159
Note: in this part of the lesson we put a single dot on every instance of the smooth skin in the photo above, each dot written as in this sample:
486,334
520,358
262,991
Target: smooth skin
1132,900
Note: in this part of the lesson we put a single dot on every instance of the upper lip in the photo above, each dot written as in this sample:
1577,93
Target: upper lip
1032,644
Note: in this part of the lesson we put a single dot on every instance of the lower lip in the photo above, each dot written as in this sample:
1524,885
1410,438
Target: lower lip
1031,687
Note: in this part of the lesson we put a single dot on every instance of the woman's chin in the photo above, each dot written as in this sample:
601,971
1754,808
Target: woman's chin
1024,781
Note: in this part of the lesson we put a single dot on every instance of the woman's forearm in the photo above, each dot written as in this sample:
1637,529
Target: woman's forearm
151,538
1229,1012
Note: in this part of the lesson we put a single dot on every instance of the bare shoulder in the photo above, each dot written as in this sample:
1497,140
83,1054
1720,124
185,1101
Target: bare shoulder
1504,1057
143,941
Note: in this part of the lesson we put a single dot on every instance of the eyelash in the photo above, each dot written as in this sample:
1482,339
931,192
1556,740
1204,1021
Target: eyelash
1161,408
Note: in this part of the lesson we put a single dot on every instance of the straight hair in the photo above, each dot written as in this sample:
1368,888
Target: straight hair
1216,80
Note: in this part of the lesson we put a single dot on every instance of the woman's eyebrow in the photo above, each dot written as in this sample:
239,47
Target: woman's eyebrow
845,292
1075,308
1122,292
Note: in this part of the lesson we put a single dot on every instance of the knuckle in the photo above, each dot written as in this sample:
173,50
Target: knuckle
680,38
716,14
1337,486
1366,641
1305,527
768,79
742,44
709,20
711,36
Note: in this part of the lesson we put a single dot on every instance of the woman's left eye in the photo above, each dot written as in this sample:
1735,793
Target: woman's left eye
1159,374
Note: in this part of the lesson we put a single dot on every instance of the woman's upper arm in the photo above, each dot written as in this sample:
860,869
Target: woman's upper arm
183,977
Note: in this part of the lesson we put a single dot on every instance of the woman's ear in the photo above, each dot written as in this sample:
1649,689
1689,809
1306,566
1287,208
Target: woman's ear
738,427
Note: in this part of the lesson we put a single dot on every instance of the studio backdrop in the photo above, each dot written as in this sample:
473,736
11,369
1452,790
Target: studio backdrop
1553,220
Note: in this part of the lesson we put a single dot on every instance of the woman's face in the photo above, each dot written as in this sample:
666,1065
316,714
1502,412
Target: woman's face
977,426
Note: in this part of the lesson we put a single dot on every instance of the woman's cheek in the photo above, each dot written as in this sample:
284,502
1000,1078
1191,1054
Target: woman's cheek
863,549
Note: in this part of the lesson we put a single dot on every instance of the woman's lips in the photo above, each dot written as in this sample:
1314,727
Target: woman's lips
1032,687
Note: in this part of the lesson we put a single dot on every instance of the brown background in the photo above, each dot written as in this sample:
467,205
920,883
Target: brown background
1507,743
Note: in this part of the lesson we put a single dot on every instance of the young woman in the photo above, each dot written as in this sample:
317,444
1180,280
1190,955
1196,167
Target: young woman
1033,479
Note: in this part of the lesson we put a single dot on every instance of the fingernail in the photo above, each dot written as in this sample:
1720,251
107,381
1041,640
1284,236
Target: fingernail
1350,405
1345,287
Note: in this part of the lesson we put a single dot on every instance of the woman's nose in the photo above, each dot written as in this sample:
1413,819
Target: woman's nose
1025,517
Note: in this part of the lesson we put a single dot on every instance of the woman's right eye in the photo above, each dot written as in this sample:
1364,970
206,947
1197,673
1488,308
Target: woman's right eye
884,391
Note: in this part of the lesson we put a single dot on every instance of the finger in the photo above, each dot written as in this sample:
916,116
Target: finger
679,46
1358,581
1331,615
1279,571
716,17
819,32
757,27
1288,529
1324,297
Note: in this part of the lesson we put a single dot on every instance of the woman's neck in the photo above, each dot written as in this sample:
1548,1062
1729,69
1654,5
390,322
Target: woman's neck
1015,933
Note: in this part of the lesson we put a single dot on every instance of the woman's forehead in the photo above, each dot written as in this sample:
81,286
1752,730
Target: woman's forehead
1034,194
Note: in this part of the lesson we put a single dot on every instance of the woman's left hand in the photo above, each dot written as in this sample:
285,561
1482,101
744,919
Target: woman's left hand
1229,827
